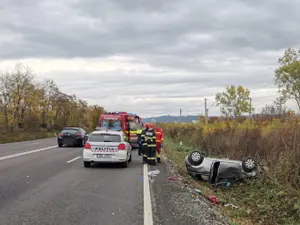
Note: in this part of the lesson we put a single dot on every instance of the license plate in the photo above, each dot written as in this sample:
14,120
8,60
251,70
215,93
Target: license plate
103,156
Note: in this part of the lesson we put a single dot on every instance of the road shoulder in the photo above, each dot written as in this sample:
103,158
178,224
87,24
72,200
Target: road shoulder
172,202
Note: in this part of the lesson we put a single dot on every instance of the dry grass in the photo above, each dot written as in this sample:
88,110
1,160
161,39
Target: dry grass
24,136
273,198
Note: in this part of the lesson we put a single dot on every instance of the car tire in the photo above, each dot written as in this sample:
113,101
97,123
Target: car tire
249,165
60,145
125,164
87,164
195,158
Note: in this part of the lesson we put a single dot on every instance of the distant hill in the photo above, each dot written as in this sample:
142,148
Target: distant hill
170,119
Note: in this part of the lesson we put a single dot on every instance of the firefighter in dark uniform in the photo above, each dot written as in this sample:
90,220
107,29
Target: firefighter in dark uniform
139,140
151,144
144,148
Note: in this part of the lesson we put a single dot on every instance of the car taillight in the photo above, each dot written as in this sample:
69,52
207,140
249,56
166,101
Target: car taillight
122,147
79,134
87,146
59,135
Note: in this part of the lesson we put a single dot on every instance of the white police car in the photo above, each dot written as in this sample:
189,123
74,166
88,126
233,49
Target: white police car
106,146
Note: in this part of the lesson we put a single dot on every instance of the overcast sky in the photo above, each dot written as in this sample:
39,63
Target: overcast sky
151,57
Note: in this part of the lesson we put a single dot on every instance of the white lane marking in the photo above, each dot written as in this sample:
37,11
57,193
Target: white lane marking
148,218
27,152
72,160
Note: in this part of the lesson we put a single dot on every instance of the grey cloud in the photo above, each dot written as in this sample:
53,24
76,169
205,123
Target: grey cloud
135,80
127,27
172,35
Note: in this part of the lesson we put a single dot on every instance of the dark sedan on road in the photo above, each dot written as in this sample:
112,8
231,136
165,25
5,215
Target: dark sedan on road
71,136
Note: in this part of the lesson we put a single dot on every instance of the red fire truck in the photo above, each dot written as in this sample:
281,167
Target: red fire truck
127,122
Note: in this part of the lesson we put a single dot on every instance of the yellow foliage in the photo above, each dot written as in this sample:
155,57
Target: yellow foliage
31,106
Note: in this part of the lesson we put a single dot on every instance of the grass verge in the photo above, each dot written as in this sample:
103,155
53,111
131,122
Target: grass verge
24,136
260,201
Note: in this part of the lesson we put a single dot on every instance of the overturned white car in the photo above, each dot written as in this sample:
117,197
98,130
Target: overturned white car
214,170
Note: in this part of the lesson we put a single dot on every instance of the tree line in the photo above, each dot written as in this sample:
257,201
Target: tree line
236,100
26,104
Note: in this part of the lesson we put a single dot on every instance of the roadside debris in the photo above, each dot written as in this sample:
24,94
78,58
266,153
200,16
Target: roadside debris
198,195
231,205
227,184
174,178
213,199
153,173
198,191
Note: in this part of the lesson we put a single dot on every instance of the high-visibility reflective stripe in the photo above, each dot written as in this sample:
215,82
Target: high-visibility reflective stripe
150,145
151,158
158,141
158,132
132,132
145,156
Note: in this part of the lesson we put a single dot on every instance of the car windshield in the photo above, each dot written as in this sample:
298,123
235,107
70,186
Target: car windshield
111,123
71,131
105,138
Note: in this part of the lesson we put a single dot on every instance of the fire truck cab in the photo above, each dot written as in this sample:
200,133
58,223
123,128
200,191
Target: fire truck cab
129,123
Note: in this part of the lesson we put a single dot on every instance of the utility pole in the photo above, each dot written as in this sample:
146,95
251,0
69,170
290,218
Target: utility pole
206,110
180,112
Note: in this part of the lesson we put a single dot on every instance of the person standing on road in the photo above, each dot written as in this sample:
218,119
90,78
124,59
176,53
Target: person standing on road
159,142
139,140
151,144
144,147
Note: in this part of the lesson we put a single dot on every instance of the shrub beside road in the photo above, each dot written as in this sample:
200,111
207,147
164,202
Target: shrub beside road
273,198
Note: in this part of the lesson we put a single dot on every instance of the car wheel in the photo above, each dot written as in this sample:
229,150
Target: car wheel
248,165
196,158
125,164
60,145
87,164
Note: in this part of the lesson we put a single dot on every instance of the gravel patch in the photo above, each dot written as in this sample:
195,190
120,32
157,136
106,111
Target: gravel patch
173,203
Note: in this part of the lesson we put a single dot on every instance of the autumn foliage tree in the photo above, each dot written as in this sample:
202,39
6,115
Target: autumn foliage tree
287,75
29,105
234,101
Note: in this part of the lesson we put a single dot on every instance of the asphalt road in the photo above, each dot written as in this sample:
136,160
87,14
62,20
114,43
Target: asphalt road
43,184
47,187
